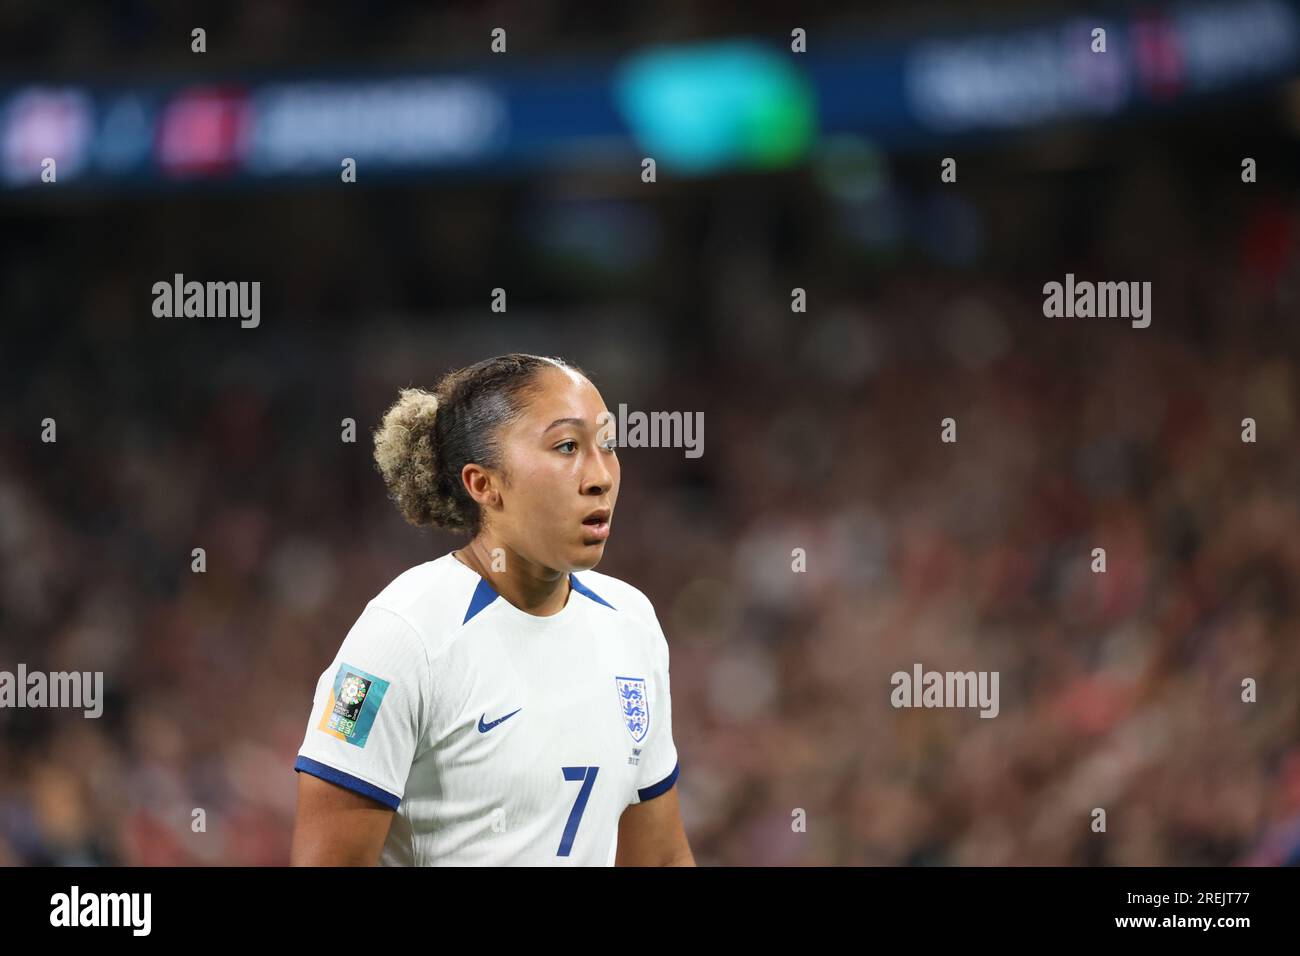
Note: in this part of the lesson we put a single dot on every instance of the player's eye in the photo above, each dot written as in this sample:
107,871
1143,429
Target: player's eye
609,444
570,443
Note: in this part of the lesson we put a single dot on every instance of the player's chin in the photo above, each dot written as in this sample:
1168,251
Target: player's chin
588,554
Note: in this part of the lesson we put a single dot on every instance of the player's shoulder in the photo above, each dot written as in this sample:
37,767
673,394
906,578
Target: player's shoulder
631,607
430,598
622,597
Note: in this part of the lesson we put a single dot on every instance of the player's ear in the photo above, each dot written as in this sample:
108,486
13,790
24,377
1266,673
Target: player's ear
481,484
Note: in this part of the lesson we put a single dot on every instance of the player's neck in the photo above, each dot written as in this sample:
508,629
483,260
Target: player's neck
528,586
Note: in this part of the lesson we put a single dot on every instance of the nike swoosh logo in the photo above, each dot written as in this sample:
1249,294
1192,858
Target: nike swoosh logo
484,728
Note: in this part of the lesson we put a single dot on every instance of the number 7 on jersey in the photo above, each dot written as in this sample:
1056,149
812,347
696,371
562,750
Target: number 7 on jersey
588,777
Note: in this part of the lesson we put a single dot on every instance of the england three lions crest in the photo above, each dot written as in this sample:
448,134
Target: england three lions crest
636,705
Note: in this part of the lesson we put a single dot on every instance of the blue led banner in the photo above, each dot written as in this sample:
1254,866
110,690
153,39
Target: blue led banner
748,103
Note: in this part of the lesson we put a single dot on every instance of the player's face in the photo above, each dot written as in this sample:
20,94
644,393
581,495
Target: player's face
563,473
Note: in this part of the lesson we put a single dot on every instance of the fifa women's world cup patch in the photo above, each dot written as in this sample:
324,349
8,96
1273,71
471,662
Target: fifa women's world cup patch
354,702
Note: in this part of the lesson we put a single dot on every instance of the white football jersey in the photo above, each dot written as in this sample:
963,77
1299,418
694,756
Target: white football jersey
499,737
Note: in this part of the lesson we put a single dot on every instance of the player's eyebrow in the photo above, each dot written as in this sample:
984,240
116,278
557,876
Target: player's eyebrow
565,421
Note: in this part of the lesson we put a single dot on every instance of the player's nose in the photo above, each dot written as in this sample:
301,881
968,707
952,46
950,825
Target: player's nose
599,477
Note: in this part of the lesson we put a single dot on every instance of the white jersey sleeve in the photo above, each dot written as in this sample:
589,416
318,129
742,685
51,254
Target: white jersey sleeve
370,709
658,767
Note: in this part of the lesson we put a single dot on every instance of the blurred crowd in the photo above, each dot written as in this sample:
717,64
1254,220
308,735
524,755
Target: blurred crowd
83,35
1120,691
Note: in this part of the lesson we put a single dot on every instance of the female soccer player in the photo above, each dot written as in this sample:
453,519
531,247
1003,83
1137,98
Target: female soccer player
492,706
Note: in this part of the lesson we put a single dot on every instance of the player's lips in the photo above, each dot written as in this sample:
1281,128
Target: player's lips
596,525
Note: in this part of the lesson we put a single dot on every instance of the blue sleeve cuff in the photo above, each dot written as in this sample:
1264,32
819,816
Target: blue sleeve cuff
349,782
663,786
